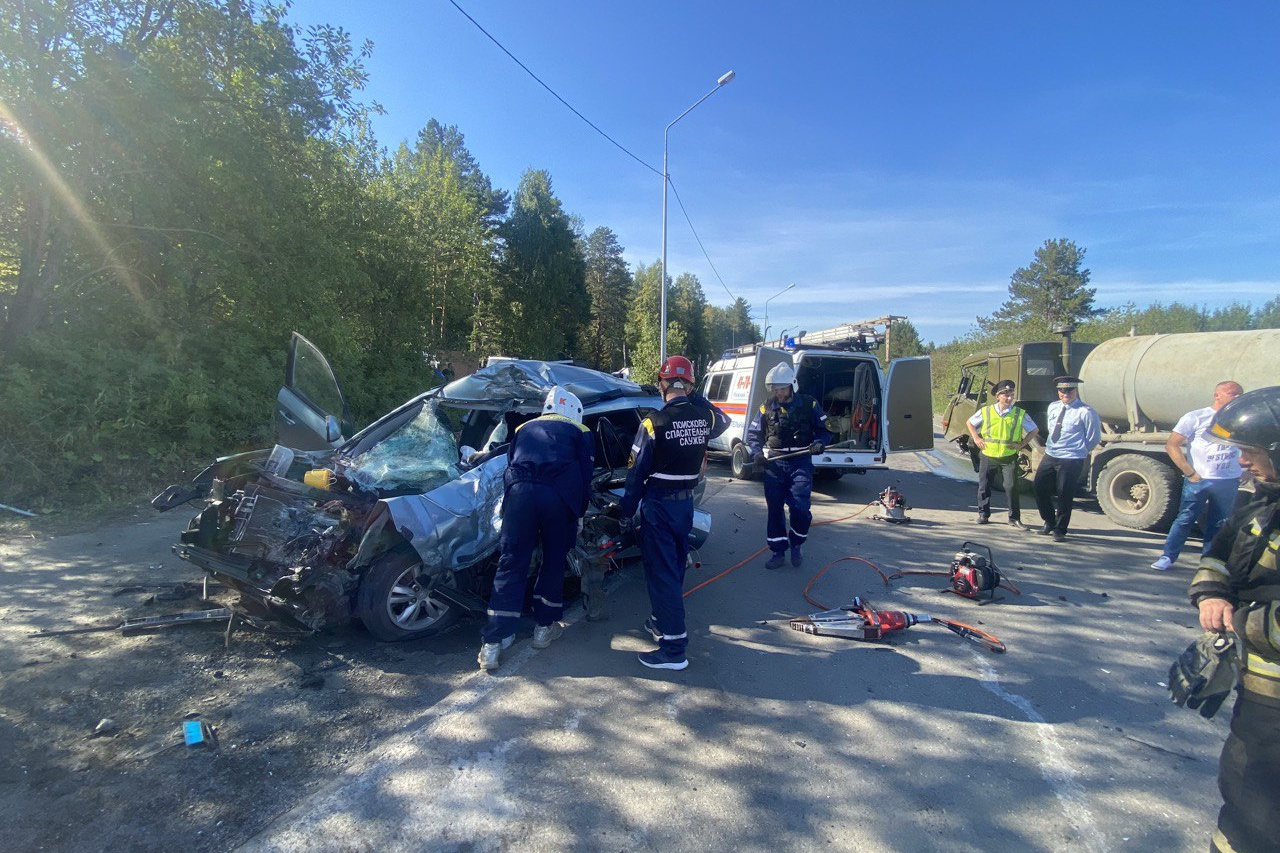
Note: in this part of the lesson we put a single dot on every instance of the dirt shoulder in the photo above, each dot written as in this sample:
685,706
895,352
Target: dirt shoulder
288,711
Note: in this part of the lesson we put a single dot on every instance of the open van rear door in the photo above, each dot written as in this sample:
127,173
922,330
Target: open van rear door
909,405
311,412
766,359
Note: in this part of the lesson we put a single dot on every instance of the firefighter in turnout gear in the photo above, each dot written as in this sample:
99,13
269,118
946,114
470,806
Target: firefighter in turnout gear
1237,590
1000,431
548,483
666,464
787,423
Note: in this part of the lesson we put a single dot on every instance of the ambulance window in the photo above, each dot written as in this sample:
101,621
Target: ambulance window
718,387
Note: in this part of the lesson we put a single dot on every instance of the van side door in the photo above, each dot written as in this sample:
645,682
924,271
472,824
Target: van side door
908,404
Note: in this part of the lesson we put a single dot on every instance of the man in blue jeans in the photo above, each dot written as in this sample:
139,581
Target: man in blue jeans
1211,475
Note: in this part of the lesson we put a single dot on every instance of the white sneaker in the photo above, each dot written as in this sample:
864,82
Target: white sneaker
544,635
1163,564
490,652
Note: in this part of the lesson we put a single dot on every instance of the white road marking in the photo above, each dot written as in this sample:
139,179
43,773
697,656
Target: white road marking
1054,766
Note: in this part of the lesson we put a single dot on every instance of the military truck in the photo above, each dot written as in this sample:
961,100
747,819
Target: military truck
1140,387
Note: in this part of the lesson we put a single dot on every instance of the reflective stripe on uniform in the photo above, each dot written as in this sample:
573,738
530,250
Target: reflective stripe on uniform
549,603
503,613
675,636
799,535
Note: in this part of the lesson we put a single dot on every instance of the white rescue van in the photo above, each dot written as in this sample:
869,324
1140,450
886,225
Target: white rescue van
871,414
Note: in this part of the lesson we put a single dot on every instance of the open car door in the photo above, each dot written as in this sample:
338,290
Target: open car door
311,413
766,359
909,405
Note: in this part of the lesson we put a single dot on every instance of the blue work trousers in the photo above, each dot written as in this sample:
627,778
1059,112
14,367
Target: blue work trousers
789,484
532,514
664,545
1215,498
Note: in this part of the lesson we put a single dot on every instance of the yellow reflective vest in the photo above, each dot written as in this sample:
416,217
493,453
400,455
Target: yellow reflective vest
1001,433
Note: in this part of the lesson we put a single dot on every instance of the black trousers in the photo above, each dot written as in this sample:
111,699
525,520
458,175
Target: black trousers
988,469
1055,487
1249,821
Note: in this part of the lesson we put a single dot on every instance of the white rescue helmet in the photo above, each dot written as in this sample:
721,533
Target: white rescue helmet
781,374
562,401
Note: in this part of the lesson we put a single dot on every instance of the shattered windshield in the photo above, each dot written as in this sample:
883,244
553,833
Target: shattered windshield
419,456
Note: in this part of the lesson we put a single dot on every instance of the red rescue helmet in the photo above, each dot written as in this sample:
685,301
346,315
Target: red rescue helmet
676,368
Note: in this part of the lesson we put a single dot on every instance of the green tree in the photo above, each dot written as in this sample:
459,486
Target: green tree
903,341
609,285
686,306
642,324
1268,316
1053,290
539,305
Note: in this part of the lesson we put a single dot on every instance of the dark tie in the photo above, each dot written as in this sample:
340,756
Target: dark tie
1057,426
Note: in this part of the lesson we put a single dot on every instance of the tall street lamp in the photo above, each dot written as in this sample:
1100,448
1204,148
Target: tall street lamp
766,308
662,314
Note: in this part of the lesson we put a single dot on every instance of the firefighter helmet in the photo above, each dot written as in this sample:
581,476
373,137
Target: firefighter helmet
1250,420
781,374
562,401
676,368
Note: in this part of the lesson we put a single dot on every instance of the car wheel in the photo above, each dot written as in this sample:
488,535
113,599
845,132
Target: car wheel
395,601
741,465
1139,492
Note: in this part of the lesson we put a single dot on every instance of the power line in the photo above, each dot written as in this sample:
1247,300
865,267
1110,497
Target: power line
592,125
680,202
620,146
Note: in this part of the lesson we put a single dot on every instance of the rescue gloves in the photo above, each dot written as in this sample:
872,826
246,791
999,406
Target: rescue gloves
816,447
1203,675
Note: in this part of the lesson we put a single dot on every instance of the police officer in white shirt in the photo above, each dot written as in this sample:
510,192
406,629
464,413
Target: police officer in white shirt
1074,431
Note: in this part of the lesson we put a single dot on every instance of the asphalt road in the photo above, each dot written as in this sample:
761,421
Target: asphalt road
777,740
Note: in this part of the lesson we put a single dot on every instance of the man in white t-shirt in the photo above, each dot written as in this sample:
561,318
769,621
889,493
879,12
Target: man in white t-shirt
1211,476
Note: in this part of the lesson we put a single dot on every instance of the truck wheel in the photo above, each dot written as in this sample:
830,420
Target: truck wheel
1139,492
741,465
395,601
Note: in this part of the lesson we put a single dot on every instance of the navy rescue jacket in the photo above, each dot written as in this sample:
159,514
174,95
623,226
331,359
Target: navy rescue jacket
788,427
554,451
668,452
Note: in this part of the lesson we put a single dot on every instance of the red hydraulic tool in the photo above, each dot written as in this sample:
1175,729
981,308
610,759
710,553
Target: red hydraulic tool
860,621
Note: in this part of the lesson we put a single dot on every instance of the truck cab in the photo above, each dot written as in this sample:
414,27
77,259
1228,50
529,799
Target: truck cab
872,412
1031,366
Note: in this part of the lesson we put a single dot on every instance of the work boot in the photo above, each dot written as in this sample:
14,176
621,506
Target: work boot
490,652
593,595
658,659
1045,529
651,626
797,559
1059,536
775,562
545,635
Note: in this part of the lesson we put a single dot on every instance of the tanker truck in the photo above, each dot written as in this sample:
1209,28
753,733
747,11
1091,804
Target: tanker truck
1139,385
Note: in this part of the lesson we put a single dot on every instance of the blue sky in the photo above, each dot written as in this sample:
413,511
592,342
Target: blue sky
886,157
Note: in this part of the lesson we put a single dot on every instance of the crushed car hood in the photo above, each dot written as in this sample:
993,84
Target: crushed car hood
525,384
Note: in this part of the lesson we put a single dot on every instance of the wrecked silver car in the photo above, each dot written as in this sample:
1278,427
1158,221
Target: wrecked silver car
392,526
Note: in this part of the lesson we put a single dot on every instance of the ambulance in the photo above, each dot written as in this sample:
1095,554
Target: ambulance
872,412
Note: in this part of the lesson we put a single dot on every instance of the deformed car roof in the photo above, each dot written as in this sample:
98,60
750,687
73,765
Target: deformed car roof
525,382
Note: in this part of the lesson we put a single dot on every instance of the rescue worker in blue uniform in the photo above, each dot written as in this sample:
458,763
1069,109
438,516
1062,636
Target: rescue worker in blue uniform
1237,591
788,422
666,464
548,484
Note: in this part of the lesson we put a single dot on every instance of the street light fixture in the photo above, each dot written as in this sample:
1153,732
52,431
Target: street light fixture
662,313
766,308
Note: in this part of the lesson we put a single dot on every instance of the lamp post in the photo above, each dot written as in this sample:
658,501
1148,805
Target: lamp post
766,308
662,313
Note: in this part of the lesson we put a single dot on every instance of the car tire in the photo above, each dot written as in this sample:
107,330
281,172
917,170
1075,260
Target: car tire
394,600
741,465
1139,492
